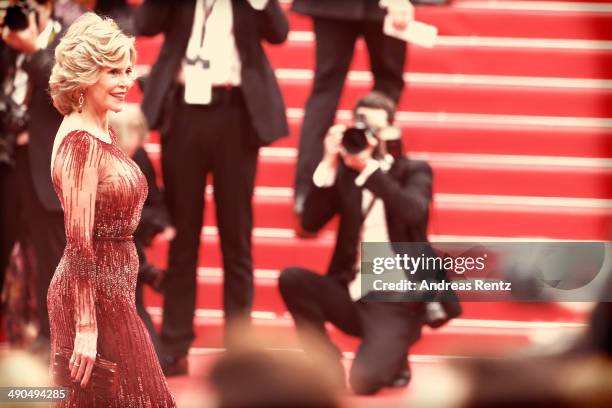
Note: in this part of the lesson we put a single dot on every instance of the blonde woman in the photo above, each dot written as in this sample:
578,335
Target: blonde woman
91,296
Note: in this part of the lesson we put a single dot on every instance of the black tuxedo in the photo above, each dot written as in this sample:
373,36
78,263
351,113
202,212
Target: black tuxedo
223,138
337,26
259,86
387,329
356,10
34,207
406,191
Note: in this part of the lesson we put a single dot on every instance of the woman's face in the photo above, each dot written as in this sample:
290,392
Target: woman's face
110,91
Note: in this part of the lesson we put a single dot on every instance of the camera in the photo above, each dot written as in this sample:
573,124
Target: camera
356,139
16,16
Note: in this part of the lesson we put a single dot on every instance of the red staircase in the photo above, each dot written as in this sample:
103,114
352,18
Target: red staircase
513,109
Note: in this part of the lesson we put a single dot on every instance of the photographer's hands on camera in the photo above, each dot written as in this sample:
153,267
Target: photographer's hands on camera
401,12
333,150
23,40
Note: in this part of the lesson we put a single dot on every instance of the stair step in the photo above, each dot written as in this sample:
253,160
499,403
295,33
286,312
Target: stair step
464,215
268,299
280,248
444,134
474,174
491,56
455,55
445,94
458,338
466,98
462,18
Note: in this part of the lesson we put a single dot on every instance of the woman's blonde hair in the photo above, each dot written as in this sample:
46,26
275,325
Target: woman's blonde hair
91,43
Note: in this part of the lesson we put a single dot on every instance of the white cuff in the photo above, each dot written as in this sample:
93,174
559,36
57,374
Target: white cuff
258,4
324,175
370,168
395,5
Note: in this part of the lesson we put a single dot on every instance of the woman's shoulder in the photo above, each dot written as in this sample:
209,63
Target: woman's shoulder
79,146
79,138
82,135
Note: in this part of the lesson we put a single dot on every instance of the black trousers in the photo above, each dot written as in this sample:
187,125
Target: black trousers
207,139
335,42
24,217
140,307
387,329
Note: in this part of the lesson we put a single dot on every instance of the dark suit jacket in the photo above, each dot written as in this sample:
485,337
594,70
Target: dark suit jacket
118,10
406,191
44,118
340,9
258,83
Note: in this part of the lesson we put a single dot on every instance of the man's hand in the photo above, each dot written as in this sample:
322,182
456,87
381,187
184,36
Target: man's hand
24,40
401,12
332,144
258,4
360,160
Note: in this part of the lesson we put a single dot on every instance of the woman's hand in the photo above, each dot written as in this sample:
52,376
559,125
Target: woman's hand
84,354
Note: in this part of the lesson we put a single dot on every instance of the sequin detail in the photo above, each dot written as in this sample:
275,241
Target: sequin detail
102,192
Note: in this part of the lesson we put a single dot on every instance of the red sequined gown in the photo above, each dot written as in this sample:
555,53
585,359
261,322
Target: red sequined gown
102,192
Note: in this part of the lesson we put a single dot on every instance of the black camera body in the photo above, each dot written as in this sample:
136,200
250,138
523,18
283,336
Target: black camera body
16,16
356,139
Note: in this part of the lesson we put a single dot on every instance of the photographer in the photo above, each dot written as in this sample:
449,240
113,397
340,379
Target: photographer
205,97
30,206
337,25
380,196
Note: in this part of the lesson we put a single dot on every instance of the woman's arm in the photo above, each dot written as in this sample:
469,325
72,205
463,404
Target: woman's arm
80,158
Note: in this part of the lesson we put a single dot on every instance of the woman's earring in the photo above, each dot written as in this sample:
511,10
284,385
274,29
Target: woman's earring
81,102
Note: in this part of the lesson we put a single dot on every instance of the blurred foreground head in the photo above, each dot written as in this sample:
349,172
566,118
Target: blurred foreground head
20,369
542,382
263,379
130,126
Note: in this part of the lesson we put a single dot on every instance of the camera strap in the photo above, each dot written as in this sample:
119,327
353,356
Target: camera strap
368,209
196,70
207,12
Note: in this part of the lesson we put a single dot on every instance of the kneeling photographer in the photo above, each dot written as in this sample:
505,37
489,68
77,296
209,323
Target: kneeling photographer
30,208
380,196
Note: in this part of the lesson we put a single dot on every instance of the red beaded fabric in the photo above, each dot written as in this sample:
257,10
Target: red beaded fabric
102,192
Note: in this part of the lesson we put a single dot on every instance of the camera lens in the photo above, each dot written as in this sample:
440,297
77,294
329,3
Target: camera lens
16,18
354,140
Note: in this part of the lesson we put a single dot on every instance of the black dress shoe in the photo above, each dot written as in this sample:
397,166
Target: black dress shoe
402,379
437,314
298,203
174,366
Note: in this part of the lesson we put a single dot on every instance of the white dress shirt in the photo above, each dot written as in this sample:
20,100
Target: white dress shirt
219,46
